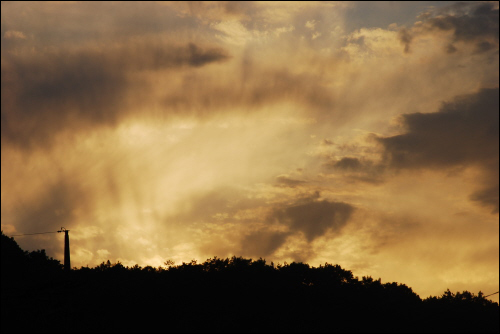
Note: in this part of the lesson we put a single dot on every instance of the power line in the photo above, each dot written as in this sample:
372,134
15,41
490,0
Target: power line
19,235
491,294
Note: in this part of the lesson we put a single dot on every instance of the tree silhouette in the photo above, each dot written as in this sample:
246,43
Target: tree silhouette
222,295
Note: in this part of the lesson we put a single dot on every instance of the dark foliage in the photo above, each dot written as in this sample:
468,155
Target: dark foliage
222,295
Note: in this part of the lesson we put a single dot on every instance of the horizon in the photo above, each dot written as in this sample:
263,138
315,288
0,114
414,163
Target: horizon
230,261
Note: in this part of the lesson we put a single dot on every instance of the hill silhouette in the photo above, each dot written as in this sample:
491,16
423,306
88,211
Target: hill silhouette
221,295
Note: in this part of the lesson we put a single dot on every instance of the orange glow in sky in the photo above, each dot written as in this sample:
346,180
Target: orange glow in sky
360,134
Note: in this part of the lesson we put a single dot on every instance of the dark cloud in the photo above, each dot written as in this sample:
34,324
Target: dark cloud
354,169
475,23
405,37
196,56
285,181
56,91
489,195
346,163
314,218
479,22
263,243
42,96
463,132
309,215
450,48
484,46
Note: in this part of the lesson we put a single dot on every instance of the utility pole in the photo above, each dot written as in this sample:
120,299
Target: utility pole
67,261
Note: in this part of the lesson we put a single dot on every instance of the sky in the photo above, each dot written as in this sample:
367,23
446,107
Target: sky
364,134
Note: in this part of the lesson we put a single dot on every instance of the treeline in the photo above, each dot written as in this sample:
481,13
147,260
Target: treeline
222,295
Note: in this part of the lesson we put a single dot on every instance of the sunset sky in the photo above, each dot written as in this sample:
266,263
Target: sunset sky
364,134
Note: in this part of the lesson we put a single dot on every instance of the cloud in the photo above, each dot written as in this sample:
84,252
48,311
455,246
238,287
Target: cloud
478,21
57,206
405,37
64,90
314,217
472,23
488,196
353,169
347,163
14,34
281,231
263,243
249,86
52,25
285,181
464,132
